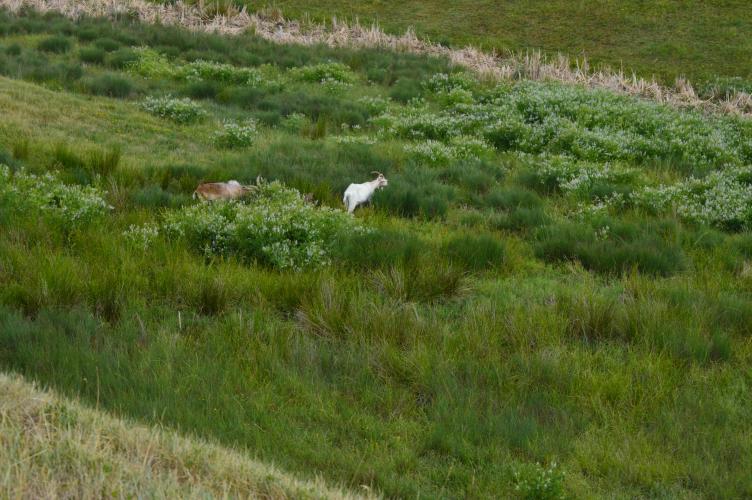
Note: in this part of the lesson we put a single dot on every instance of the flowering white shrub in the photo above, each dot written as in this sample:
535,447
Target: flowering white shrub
573,176
334,86
537,117
538,482
375,104
295,122
178,110
354,139
430,151
323,73
227,73
418,122
442,82
276,227
439,153
69,206
236,135
141,236
722,198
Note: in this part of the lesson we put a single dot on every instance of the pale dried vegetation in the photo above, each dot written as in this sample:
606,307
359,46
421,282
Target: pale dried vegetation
51,447
270,24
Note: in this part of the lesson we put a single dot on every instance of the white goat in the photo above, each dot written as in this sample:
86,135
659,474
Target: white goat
357,194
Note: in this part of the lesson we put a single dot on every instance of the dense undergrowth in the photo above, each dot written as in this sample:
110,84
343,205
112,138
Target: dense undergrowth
552,296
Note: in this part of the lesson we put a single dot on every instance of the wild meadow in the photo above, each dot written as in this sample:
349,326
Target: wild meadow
551,298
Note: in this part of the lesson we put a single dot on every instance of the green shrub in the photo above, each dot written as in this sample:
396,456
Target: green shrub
202,89
178,110
323,73
520,219
122,58
379,249
68,206
415,194
404,90
610,248
535,482
20,148
223,73
13,49
235,135
55,44
475,252
512,198
104,163
276,228
107,44
87,34
152,64
92,55
153,197
110,85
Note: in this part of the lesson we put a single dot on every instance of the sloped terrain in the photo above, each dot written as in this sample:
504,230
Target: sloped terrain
56,448
551,297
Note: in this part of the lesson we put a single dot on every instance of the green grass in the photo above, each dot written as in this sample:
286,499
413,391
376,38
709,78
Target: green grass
514,305
697,39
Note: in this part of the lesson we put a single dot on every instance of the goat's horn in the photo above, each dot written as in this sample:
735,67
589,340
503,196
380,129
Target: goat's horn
376,172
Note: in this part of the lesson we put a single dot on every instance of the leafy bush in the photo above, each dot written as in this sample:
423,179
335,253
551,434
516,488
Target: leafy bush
92,55
152,64
235,135
276,228
68,206
56,44
178,110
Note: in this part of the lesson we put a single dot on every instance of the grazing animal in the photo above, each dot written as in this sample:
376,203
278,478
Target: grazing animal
210,191
357,194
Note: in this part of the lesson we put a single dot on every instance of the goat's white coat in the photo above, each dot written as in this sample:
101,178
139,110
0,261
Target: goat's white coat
357,194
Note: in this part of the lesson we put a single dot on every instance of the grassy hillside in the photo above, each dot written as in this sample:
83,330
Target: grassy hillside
552,296
55,448
697,39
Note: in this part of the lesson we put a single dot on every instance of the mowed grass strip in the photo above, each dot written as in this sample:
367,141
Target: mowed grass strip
697,39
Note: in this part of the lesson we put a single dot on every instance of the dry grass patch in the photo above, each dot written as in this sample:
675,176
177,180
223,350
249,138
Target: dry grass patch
55,448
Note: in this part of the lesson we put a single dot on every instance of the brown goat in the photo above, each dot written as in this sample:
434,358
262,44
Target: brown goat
210,191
